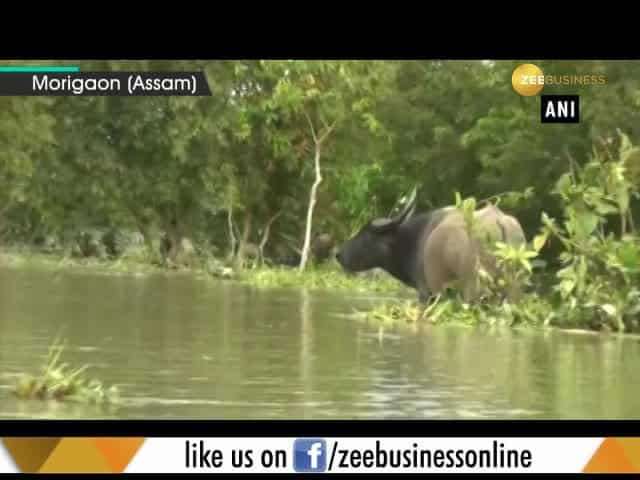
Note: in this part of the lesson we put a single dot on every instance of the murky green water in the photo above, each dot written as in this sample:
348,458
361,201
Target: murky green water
180,347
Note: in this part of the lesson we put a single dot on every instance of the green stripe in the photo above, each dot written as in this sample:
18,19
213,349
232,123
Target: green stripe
38,69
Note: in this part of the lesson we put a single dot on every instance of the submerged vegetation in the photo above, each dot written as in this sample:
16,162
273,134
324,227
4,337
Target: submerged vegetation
26,258
532,311
58,381
326,277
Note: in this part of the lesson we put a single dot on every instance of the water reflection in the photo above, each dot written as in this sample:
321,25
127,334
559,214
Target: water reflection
180,347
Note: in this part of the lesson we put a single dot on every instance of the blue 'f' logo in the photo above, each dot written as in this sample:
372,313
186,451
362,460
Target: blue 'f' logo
309,455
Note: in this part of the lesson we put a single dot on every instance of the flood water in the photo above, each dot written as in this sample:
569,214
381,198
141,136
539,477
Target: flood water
182,347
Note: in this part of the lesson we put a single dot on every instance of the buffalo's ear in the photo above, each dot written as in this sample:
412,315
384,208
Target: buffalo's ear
381,224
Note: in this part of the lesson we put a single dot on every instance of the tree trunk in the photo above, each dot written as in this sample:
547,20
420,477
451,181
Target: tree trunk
173,240
265,236
232,235
146,235
312,202
246,235
143,228
317,142
3,223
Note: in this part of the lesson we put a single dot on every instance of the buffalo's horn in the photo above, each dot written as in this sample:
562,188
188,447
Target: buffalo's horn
407,211
409,208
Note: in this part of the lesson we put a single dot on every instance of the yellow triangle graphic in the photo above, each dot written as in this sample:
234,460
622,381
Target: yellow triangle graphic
76,455
609,458
118,452
631,447
29,453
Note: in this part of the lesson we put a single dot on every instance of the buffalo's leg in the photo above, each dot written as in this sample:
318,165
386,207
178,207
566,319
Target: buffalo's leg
424,297
470,290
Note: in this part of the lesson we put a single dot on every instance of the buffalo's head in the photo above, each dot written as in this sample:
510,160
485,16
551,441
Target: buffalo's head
371,246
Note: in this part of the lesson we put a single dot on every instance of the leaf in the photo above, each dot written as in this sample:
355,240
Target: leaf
609,309
566,287
539,241
526,264
539,264
625,144
501,246
529,192
548,221
629,256
622,197
585,223
604,208
563,184
371,122
631,161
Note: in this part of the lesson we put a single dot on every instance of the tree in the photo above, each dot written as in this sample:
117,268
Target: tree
26,144
283,148
316,98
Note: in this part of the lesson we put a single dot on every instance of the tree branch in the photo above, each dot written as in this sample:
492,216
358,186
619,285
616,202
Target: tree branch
313,130
232,236
328,130
324,122
265,234
572,162
312,201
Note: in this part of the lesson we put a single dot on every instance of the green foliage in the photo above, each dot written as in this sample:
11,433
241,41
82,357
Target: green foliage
446,309
58,381
515,266
328,278
174,168
467,208
145,162
598,281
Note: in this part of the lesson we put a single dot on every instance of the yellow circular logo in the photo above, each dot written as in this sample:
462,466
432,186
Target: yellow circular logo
527,79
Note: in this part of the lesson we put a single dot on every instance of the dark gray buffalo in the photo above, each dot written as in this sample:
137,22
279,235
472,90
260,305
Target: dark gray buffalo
431,251
322,246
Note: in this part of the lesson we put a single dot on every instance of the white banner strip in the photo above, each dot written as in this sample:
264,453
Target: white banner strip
364,455
7,464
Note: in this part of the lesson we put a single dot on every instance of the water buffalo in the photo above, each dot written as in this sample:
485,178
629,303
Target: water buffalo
322,246
284,255
430,251
289,260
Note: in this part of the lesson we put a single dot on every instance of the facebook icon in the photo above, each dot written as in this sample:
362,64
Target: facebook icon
309,455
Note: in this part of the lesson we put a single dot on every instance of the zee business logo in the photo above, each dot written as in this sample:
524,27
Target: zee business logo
528,80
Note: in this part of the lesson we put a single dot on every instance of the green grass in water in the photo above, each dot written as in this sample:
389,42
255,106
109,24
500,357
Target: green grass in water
319,278
58,381
30,259
531,310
